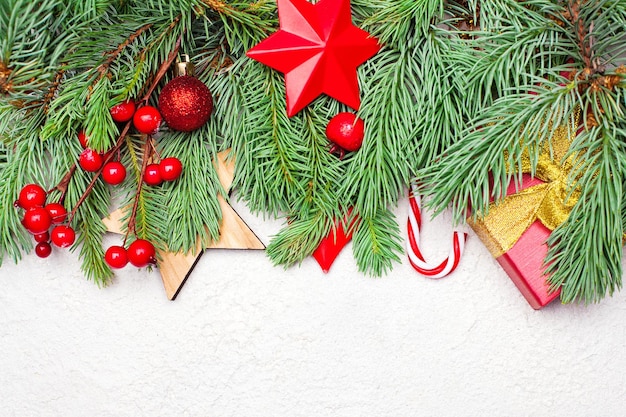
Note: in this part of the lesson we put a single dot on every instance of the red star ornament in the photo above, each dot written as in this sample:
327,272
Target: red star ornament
318,49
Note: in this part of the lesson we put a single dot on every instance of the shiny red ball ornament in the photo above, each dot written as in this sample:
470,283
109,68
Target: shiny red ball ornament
63,236
123,112
114,172
152,175
346,131
37,220
42,237
185,103
116,257
43,249
141,253
147,119
90,160
170,168
83,139
31,195
57,212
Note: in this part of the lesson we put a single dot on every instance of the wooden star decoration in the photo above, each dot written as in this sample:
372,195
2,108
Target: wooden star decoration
318,49
175,268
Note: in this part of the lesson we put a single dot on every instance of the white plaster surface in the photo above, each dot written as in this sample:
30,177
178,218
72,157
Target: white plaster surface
245,338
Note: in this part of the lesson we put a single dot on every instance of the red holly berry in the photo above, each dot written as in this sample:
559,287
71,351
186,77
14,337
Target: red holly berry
114,172
116,257
82,138
141,253
123,112
147,119
346,131
42,237
57,212
152,175
31,195
37,220
63,236
90,160
170,168
43,249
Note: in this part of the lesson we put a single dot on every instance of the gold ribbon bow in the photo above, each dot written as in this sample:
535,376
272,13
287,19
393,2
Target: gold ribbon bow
548,202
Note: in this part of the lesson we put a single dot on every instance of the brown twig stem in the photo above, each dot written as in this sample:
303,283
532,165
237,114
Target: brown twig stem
132,220
104,67
163,69
64,183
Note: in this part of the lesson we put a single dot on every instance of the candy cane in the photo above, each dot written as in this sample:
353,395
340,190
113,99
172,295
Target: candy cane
415,255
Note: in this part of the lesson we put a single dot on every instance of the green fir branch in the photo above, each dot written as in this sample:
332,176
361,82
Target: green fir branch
376,243
396,21
319,205
440,98
245,23
323,173
479,168
585,253
299,239
268,150
150,221
90,231
498,15
193,212
509,60
379,171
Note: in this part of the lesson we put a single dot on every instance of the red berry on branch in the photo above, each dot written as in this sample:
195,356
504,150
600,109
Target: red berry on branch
57,212
31,195
346,131
116,257
37,220
42,237
147,119
114,173
123,112
141,253
90,160
186,103
43,249
152,175
63,236
82,138
170,168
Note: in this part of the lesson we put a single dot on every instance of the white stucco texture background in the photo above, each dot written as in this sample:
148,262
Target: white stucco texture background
245,338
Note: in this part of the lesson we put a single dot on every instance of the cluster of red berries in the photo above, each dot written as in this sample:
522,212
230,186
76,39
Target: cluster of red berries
140,253
113,172
90,160
169,169
147,120
39,217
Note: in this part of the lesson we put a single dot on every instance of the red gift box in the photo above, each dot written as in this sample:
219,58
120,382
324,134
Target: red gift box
524,261
515,230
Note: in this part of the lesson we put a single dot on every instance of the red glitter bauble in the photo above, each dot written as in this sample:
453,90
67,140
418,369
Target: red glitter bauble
185,103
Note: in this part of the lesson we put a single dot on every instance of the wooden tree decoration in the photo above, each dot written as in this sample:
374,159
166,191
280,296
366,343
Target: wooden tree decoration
175,268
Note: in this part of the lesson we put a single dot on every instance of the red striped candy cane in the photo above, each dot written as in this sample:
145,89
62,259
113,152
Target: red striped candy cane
416,258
